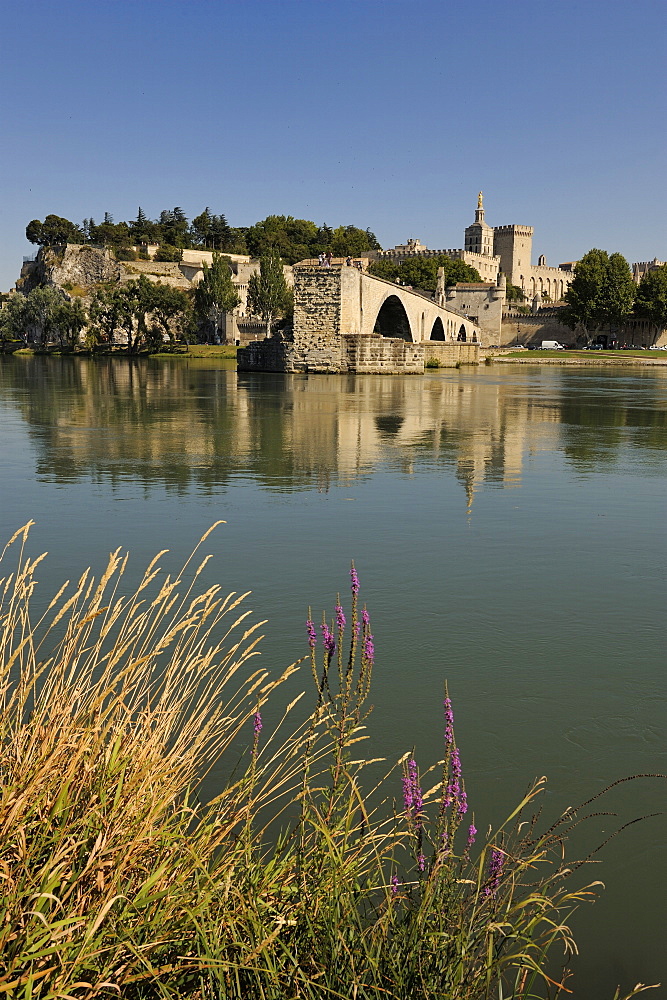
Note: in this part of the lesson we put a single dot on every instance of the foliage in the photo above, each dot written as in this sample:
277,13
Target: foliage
651,301
294,239
54,230
601,292
144,311
167,253
514,293
350,241
118,882
43,316
212,231
268,294
422,272
385,268
215,295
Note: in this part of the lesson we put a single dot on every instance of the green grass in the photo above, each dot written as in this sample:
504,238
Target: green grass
305,878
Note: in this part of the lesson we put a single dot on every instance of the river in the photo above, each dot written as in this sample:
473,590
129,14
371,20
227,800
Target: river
508,526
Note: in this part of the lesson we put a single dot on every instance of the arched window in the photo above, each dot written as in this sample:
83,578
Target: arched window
462,334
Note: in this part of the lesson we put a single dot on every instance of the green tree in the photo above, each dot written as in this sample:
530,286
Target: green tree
127,308
601,292
584,295
215,295
293,239
422,272
514,293
173,228
268,294
351,241
14,319
53,231
108,313
110,234
69,320
384,268
42,316
169,316
651,300
141,229
618,292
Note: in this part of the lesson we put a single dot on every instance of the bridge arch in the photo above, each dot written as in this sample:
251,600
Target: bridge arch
392,320
437,330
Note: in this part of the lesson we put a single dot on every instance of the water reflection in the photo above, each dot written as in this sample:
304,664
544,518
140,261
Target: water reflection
183,425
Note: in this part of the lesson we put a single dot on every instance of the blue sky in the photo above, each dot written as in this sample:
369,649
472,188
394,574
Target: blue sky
383,114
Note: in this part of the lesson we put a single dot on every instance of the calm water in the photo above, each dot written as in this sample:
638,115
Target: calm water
508,525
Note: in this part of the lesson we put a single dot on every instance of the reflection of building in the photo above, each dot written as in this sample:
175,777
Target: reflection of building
119,421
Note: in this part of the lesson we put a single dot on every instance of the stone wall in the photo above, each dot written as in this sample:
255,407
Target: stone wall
376,355
533,330
451,355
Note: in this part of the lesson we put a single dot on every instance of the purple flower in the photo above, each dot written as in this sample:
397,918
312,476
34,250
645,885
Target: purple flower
369,649
449,723
354,584
365,617
394,884
421,862
340,617
412,793
328,639
472,833
312,634
257,723
496,862
408,797
463,803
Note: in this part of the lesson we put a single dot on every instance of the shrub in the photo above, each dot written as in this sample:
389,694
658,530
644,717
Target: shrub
433,363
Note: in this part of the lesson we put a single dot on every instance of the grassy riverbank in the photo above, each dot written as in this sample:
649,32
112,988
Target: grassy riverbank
651,358
304,878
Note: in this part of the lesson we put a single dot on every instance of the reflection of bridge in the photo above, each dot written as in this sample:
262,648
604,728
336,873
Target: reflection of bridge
346,320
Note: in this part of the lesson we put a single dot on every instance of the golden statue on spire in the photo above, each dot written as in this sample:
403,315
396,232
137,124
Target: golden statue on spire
479,200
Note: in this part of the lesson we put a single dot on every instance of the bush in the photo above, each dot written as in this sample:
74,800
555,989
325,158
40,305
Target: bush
167,254
125,253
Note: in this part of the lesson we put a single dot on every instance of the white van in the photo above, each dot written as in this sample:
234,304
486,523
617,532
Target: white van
552,345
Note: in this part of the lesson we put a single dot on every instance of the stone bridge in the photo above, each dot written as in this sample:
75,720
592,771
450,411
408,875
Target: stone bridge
346,320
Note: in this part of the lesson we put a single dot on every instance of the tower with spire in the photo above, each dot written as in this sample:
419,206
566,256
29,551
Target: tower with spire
479,236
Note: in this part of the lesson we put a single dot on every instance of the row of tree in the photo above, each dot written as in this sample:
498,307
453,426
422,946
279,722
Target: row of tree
144,313
603,294
293,239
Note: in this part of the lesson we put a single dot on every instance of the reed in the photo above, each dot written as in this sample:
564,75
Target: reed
303,878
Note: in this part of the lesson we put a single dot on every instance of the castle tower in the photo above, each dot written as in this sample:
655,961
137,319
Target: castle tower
479,236
514,246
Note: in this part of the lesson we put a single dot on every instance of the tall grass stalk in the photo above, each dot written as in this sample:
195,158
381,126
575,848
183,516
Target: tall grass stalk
303,878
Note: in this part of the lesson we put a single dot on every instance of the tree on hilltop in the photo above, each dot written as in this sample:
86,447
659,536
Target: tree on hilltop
55,230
